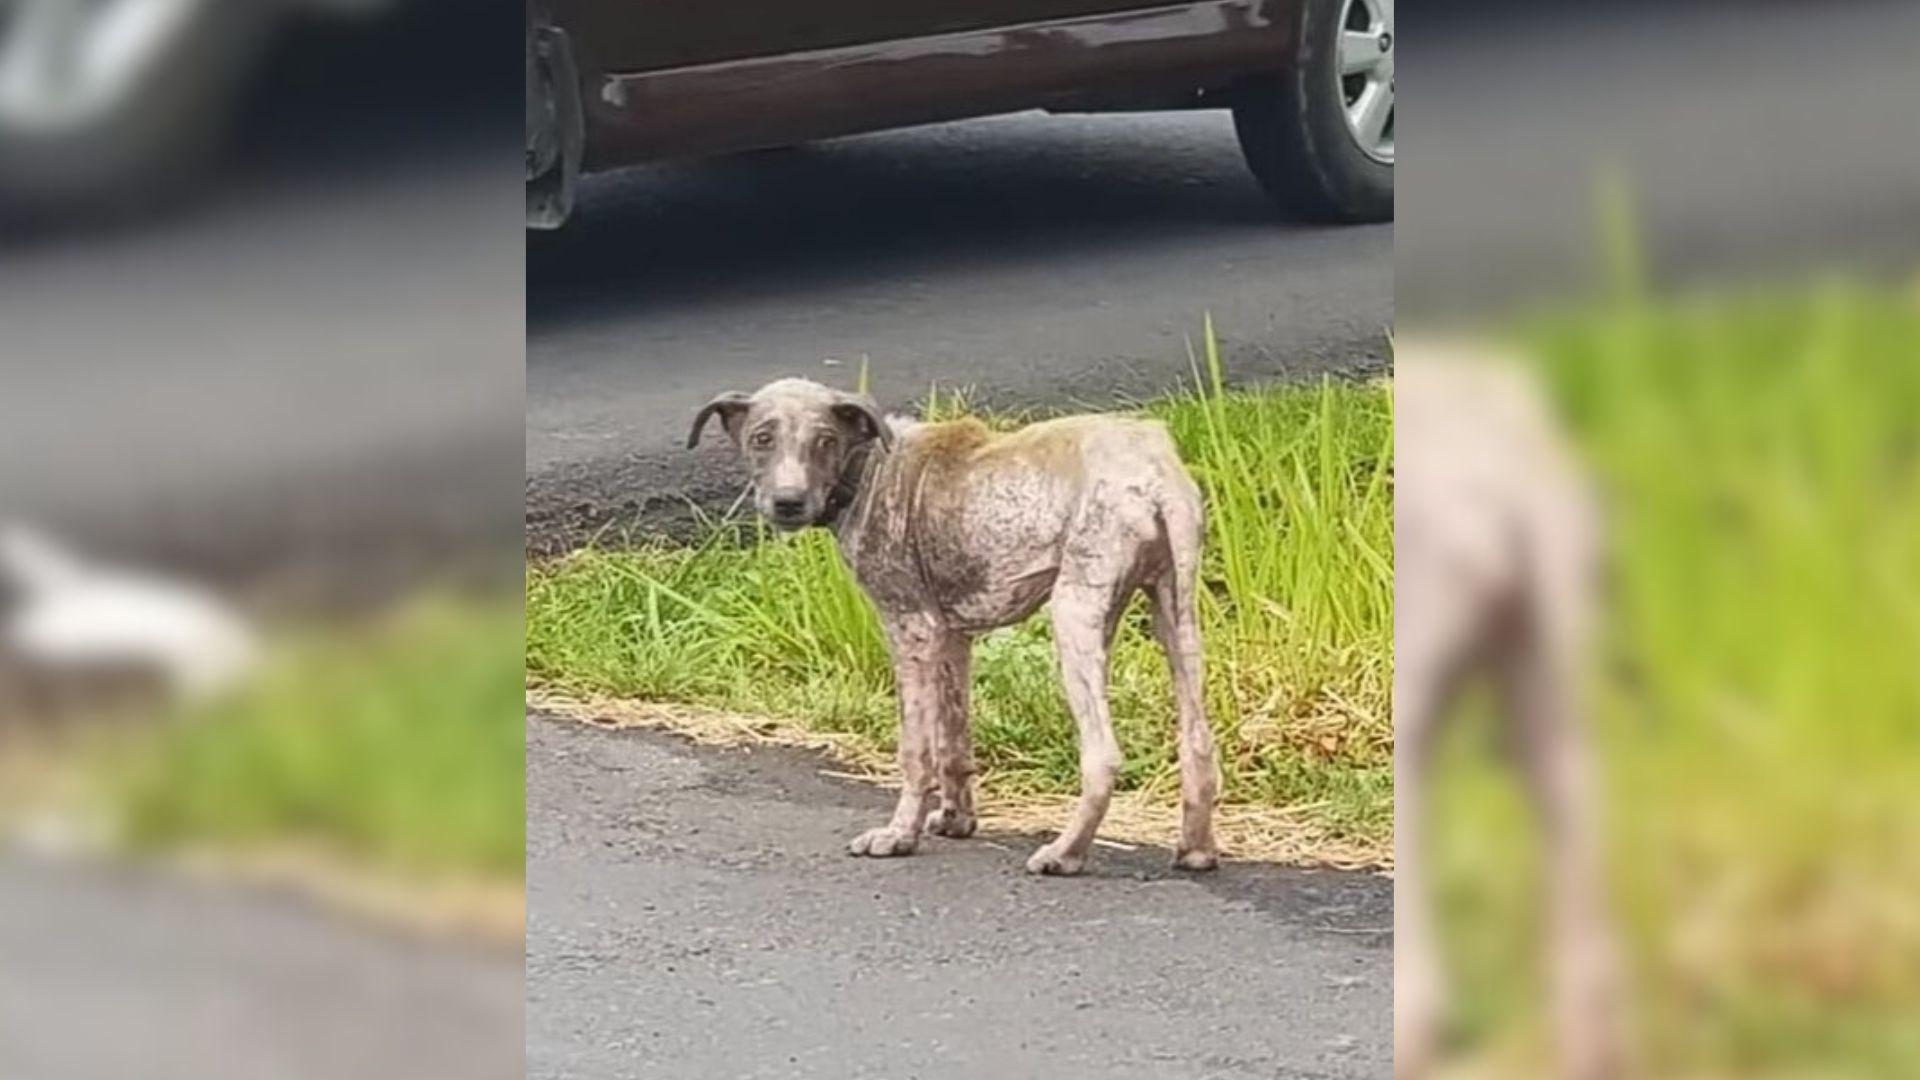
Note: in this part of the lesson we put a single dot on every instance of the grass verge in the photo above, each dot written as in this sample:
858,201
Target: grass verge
1297,616
398,745
1758,714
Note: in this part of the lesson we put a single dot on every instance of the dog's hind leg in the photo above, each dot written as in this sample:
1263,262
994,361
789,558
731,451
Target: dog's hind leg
1083,614
1538,675
1176,624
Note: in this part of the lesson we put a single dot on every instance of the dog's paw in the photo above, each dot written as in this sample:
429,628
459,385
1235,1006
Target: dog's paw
1056,861
948,822
1197,859
884,842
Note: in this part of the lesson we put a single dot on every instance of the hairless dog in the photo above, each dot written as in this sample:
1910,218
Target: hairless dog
1496,553
953,529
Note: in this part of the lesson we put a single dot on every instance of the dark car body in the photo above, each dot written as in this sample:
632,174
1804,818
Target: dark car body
696,76
618,82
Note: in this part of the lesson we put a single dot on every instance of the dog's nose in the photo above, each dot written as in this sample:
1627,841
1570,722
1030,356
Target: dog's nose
789,506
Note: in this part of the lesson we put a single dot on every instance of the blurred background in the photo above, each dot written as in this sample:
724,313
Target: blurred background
260,409
1697,226
261,331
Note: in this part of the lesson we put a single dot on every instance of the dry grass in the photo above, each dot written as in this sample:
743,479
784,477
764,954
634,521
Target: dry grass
1147,817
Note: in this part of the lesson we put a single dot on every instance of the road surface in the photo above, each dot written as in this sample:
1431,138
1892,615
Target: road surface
1757,138
317,359
692,914
107,974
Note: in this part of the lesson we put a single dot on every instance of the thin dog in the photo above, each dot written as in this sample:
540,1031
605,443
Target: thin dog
952,530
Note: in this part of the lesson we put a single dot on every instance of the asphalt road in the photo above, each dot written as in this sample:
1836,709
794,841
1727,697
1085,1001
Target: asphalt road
1032,259
693,914
315,355
1756,139
107,974
197,394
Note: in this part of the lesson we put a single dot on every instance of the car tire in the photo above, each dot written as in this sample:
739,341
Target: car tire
1294,127
141,154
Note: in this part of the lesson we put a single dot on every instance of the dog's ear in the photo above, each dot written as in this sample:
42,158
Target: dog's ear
731,406
860,415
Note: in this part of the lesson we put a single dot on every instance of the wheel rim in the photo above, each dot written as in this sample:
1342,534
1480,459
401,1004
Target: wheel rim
69,64
1365,59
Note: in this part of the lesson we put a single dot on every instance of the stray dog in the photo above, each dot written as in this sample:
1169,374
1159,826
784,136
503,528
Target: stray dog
952,530
1496,562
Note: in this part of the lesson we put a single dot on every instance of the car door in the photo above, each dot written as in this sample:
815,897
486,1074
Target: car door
630,36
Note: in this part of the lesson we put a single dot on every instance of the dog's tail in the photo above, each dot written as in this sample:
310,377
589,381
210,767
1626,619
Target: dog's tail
1183,523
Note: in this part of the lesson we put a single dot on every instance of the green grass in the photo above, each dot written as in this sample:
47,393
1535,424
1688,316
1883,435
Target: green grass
1760,705
1297,617
400,744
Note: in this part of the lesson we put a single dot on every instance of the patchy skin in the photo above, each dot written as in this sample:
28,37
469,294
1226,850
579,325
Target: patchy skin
952,530
1496,553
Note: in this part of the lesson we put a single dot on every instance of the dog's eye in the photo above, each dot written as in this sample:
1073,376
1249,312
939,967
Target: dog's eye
761,440
826,440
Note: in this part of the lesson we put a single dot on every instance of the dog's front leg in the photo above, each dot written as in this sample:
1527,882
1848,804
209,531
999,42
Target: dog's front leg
917,643
1435,630
1418,993
953,741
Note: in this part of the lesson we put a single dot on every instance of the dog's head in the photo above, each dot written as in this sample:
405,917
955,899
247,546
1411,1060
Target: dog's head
796,437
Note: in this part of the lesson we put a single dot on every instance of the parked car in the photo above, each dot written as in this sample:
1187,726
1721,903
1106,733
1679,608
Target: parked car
612,83
108,100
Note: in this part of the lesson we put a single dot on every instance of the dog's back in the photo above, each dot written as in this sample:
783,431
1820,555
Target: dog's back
992,514
1116,456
